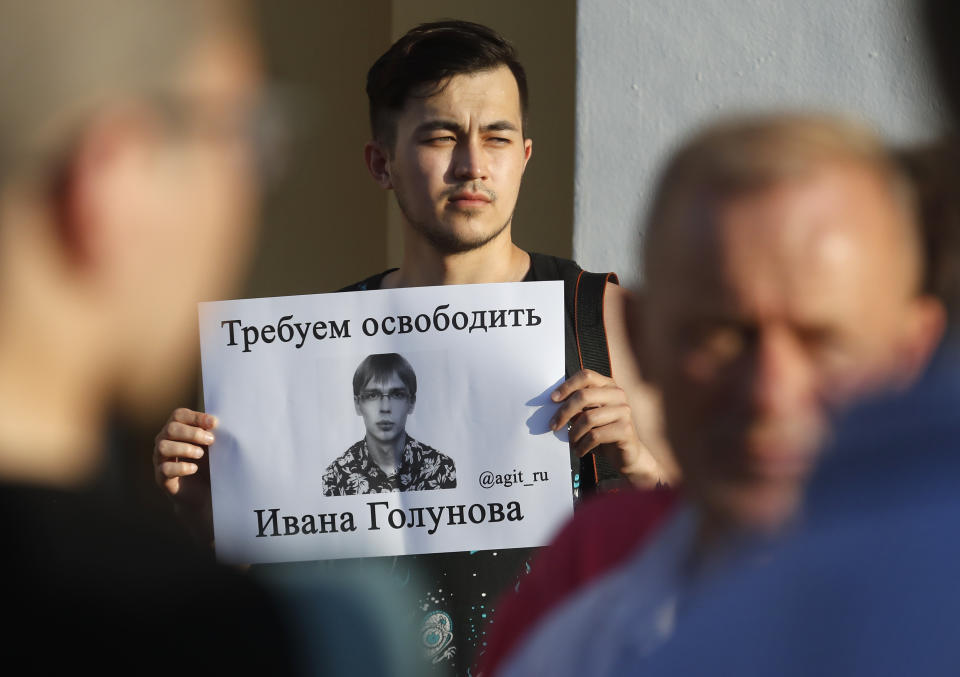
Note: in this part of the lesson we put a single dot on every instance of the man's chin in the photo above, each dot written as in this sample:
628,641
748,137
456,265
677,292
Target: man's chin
462,234
456,242
765,507
782,458
782,469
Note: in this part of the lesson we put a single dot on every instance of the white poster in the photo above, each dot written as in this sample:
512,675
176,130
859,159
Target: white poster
386,422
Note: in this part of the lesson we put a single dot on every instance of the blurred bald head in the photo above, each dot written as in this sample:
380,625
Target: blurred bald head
751,155
783,276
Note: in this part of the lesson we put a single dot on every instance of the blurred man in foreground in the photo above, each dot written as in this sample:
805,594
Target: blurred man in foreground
867,585
783,273
125,132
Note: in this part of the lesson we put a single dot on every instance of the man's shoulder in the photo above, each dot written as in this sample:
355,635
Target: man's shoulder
545,267
372,282
602,535
426,450
97,559
580,287
351,455
603,532
550,267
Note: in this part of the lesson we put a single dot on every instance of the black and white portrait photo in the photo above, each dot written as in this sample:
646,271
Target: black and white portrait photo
387,458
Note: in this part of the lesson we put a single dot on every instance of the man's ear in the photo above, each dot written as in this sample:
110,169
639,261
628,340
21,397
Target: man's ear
356,405
924,333
527,152
377,160
96,181
413,402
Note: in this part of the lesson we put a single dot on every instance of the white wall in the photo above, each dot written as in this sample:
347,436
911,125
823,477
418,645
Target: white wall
649,71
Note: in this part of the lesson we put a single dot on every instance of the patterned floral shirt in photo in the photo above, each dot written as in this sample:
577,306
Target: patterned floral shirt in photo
421,467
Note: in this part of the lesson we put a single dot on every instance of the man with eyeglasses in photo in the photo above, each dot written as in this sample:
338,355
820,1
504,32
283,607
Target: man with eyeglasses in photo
387,459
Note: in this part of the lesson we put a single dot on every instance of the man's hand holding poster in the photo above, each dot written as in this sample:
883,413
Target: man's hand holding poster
386,422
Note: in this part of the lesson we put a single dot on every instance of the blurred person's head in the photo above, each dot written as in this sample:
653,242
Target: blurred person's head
127,194
783,278
448,104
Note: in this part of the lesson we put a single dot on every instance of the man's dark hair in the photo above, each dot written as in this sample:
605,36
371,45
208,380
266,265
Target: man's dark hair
380,367
421,63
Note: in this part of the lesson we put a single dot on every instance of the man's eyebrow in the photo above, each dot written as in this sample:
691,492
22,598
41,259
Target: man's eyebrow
499,126
439,125
457,128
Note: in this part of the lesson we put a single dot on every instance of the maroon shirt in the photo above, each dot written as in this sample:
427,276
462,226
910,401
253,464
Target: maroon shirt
603,532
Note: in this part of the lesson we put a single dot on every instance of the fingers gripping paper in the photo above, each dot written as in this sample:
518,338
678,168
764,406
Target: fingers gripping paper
385,422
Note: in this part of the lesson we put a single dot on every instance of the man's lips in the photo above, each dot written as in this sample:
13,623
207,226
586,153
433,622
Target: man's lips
470,199
787,461
385,425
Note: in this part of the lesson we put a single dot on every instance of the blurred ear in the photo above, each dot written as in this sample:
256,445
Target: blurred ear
98,181
377,160
924,332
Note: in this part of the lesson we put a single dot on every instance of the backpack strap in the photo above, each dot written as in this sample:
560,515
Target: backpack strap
593,353
585,344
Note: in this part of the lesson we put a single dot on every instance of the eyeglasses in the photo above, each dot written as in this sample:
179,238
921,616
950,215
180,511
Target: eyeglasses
270,123
276,120
395,395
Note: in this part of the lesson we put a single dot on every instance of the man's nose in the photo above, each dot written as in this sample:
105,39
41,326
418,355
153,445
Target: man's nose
783,379
385,402
470,161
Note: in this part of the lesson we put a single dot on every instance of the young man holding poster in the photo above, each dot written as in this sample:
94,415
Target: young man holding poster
448,108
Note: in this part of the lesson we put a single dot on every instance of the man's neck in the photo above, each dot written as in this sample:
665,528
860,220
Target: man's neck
715,531
500,260
49,427
57,363
386,454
